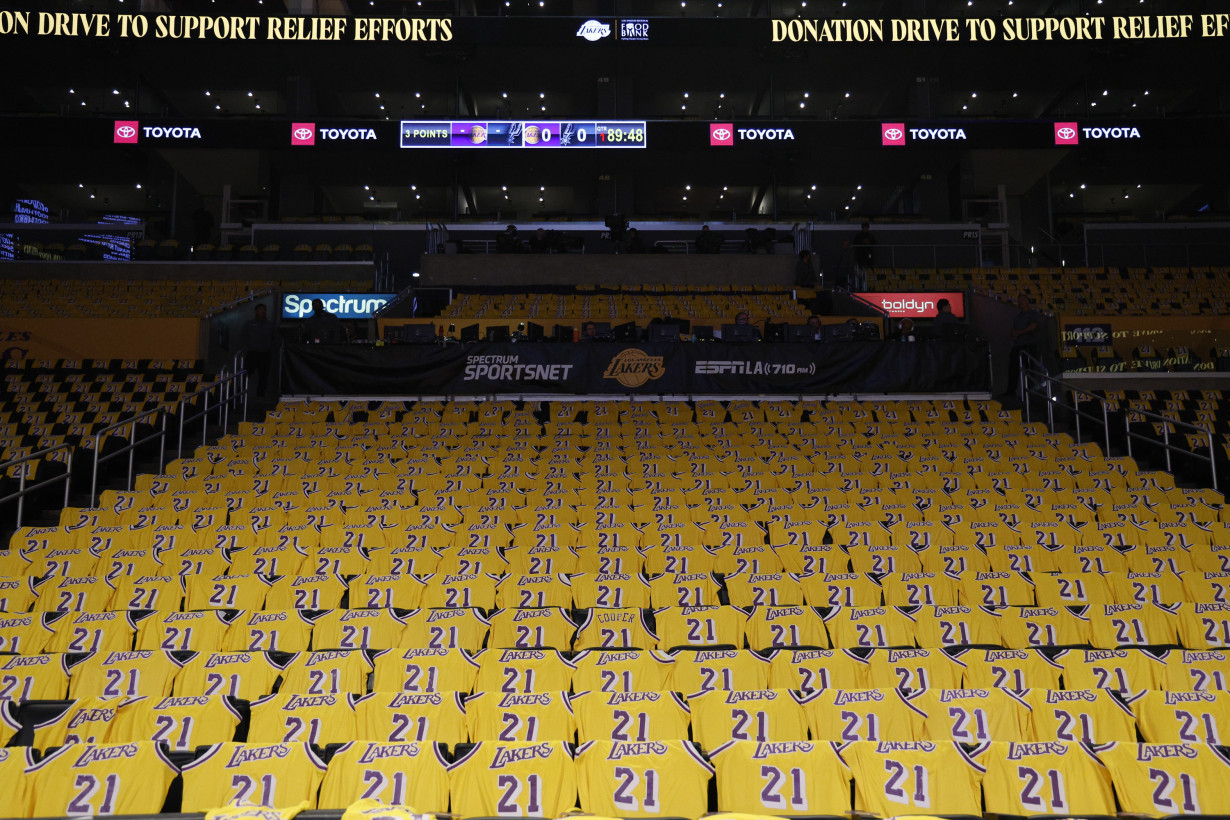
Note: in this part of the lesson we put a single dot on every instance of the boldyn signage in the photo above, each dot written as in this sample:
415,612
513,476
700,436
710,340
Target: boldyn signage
343,305
914,305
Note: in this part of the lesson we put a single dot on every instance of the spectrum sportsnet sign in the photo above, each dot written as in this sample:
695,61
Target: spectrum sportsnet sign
308,133
914,305
130,132
1070,133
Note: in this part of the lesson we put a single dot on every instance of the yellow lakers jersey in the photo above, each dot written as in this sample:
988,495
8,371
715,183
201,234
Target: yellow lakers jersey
459,628
1164,779
124,674
387,774
294,718
246,675
701,670
914,777
400,717
630,716
784,778
1052,777
495,715
278,774
531,628
86,720
1182,717
845,715
521,779
100,779
615,629
424,670
327,672
523,670
974,715
182,723
1016,669
762,715
814,669
621,670
642,779
358,629
1080,715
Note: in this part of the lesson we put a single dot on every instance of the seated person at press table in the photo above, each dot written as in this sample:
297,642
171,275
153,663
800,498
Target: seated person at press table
742,330
905,331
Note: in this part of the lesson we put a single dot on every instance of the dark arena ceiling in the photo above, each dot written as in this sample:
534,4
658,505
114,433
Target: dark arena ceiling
703,62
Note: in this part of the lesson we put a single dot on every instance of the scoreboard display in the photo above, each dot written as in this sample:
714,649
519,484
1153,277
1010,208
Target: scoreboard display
471,134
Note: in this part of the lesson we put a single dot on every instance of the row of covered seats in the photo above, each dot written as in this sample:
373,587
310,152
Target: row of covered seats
1109,626
629,306
626,778
272,252
710,718
108,671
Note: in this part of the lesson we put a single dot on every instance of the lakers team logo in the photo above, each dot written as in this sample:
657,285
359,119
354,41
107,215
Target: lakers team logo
632,368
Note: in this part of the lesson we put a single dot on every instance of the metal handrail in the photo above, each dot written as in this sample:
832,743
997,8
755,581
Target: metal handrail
205,411
23,490
1165,443
1039,373
1052,397
230,394
128,448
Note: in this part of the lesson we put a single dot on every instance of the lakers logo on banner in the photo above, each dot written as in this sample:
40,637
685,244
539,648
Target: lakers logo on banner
632,368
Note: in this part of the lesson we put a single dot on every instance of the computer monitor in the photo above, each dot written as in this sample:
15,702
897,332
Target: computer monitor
418,333
703,333
497,333
740,333
562,333
469,333
838,333
800,333
627,332
533,331
660,332
602,331
775,331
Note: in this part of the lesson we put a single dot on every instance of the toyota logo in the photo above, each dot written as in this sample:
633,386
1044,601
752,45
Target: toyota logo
126,131
893,133
303,133
1066,133
721,134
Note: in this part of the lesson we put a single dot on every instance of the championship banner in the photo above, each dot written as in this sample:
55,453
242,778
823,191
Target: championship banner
1202,336
649,369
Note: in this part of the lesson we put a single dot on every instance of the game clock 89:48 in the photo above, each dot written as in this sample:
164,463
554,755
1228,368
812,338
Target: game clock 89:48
623,134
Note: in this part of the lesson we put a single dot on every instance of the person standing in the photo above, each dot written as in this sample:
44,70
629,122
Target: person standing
864,255
707,242
1025,335
804,271
323,327
259,338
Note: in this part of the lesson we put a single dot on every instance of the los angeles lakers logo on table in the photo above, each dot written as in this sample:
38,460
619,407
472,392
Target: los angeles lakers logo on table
632,368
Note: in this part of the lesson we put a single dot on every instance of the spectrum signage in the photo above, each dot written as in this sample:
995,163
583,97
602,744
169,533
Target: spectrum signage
343,305
917,305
